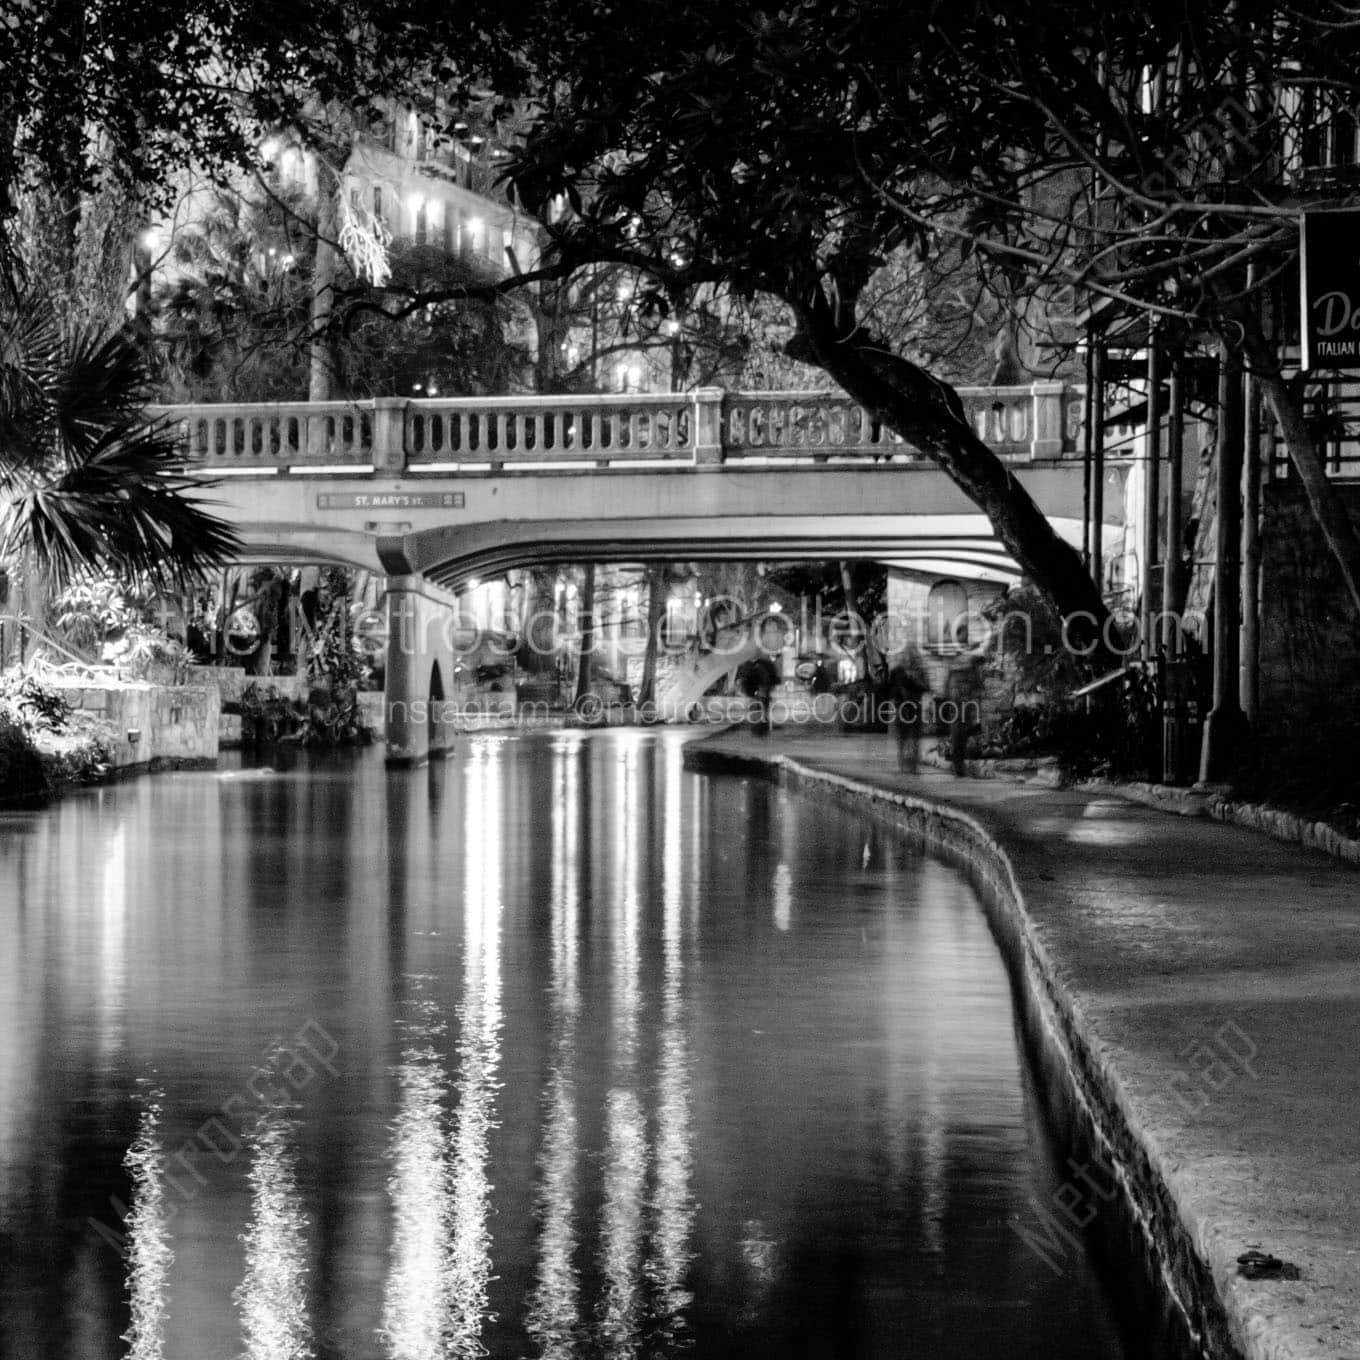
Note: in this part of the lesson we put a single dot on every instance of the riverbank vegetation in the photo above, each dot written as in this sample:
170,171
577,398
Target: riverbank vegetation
46,745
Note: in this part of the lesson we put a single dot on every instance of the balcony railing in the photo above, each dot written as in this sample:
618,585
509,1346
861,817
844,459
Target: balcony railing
705,428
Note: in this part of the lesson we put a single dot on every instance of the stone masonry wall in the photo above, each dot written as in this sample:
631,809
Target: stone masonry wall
152,724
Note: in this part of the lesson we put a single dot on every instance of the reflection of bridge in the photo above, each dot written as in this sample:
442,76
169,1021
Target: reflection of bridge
435,492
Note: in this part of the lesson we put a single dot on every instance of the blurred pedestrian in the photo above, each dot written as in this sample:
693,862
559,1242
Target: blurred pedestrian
907,690
757,678
965,694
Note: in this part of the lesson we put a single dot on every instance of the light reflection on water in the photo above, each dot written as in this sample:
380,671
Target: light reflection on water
626,1064
415,1304
272,1297
553,1318
147,1241
672,1204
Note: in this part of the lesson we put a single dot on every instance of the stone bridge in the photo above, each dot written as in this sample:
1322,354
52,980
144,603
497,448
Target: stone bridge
435,492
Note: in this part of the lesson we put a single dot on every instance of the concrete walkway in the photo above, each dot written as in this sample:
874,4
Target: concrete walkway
1216,974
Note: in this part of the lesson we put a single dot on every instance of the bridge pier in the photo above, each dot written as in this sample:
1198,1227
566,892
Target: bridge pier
423,633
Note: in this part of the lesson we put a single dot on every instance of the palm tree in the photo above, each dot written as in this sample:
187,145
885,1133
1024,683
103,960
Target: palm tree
87,482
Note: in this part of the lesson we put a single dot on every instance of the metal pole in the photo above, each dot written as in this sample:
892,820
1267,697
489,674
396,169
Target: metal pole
1151,493
1249,663
1098,470
1224,722
1088,412
1172,585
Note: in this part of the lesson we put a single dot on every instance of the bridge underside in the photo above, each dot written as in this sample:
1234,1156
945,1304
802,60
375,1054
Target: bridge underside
453,556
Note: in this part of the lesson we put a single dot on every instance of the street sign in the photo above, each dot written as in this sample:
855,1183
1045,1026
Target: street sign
1329,284
391,500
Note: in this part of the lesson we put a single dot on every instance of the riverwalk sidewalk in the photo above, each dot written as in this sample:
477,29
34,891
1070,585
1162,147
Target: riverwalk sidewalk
1216,976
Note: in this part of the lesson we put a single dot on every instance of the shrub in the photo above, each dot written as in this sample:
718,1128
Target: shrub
29,702
23,774
84,756
328,716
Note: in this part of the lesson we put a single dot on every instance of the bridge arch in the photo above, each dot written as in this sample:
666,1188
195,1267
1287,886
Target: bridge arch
307,546
452,555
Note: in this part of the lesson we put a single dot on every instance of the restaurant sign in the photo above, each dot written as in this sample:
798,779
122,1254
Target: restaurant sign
1329,277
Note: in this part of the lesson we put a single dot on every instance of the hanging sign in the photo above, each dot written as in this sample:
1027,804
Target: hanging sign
1329,281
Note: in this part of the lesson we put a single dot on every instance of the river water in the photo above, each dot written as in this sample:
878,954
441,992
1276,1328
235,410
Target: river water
549,1050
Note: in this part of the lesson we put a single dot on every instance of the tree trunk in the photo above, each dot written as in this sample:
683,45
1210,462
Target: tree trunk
928,414
587,616
549,324
540,618
656,609
874,668
322,349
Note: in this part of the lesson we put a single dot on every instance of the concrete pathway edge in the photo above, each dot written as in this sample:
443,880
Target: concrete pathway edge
1180,1250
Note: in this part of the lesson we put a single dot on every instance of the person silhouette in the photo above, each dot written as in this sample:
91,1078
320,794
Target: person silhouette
907,690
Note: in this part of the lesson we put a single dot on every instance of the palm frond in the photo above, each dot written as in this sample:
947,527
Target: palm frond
30,345
86,481
100,384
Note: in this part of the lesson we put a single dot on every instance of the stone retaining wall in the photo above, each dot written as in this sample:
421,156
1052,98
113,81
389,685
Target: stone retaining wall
1287,826
153,724
1053,1022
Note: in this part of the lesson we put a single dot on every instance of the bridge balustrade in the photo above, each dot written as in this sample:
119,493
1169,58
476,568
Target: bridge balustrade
1038,421
505,430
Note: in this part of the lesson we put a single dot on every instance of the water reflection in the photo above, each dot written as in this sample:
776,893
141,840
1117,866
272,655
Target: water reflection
625,1150
626,1063
416,1309
672,1202
113,944
147,1242
554,1306
436,1298
272,1297
479,1018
